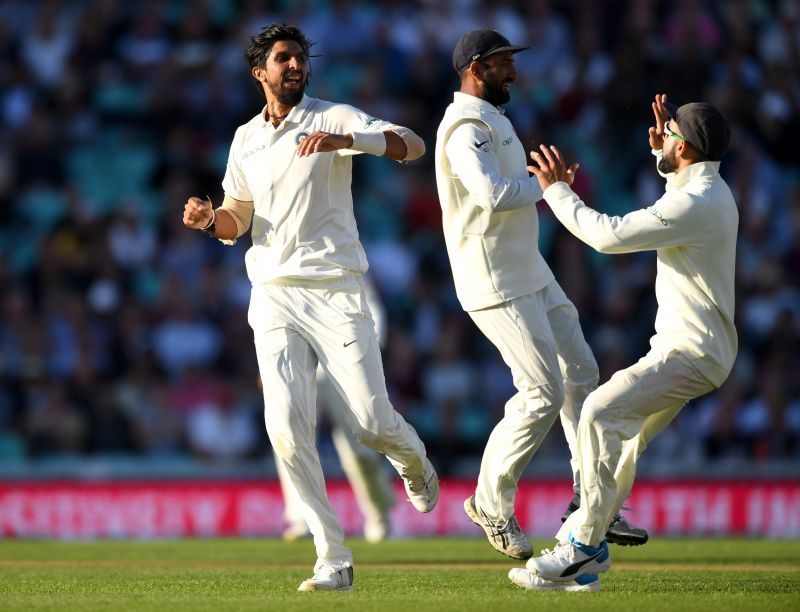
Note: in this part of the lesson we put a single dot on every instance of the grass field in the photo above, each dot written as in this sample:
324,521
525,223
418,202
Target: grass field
426,575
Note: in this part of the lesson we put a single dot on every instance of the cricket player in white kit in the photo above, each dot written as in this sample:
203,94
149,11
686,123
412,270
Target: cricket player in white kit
692,228
290,170
491,229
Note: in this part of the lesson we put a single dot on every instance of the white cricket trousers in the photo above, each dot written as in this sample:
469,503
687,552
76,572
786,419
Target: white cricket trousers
363,466
617,422
540,339
297,326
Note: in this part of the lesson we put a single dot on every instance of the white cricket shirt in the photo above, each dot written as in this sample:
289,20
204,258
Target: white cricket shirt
693,230
303,225
488,201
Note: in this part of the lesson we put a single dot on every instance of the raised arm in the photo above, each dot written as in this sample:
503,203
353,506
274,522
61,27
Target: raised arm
674,220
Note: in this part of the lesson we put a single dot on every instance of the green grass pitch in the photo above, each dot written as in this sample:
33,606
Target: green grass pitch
419,575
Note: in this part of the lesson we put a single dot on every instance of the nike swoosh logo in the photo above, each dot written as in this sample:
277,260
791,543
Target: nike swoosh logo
346,344
576,566
478,145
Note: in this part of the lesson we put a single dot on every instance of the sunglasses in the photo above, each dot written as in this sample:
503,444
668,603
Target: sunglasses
671,134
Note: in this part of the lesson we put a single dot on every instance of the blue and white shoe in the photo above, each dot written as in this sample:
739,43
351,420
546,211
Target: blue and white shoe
525,579
570,560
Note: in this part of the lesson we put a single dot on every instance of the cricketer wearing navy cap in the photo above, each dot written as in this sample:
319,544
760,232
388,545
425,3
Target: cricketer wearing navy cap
491,229
480,44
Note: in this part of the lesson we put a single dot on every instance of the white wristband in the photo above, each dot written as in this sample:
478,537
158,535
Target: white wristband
369,142
213,218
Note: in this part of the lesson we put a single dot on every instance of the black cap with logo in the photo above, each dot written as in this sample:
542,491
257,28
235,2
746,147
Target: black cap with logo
703,127
479,44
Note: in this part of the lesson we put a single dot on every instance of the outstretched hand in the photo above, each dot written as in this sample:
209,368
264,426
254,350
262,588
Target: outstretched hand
323,142
551,167
661,114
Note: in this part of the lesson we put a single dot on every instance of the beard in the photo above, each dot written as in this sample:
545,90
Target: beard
289,97
493,91
668,162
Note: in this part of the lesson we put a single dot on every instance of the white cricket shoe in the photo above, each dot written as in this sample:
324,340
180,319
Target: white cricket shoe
327,578
507,539
569,560
523,578
423,492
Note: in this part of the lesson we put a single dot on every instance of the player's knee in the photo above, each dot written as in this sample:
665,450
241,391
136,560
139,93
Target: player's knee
593,411
584,375
591,372
535,401
552,394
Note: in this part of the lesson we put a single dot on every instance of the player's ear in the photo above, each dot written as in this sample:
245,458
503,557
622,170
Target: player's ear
476,70
683,150
259,74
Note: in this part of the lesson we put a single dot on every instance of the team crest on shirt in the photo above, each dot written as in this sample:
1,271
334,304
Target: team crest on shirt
300,137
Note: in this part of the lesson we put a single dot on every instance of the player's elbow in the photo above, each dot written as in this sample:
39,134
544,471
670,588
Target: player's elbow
609,245
415,147
602,247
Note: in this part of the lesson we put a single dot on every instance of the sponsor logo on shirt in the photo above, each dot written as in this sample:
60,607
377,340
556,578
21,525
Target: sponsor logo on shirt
253,151
508,141
657,214
300,137
370,121
479,145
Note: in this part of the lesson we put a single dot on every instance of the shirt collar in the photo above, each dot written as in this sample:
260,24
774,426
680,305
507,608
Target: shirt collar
696,170
296,115
470,101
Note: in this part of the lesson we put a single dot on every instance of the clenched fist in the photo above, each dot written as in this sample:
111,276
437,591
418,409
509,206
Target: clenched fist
197,213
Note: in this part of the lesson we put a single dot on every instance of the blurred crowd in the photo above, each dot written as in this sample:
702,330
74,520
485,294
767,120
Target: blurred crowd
125,334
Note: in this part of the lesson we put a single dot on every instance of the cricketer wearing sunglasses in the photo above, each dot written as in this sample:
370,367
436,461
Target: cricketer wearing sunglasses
692,228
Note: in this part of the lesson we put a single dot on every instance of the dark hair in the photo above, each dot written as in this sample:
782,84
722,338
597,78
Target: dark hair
261,44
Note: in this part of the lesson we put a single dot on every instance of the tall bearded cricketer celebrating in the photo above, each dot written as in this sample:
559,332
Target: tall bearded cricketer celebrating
289,170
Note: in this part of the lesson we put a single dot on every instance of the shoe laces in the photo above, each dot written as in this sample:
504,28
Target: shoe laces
562,549
511,528
417,484
326,571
